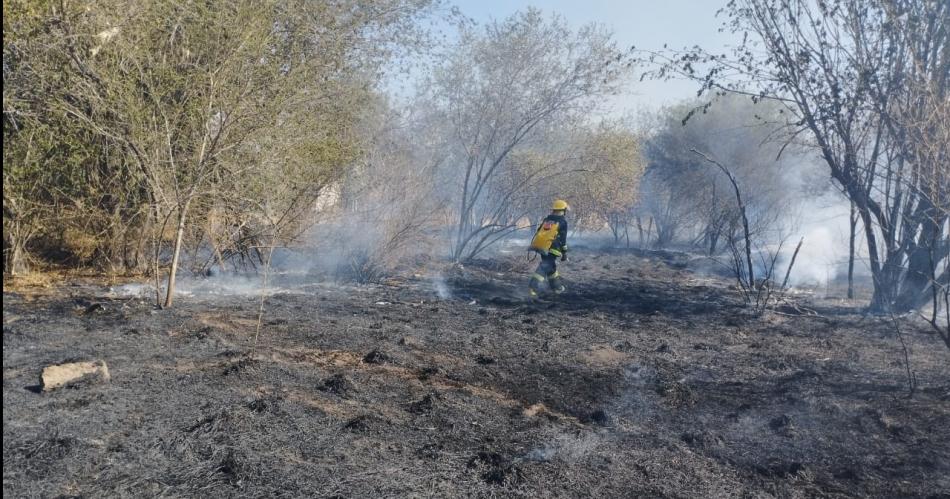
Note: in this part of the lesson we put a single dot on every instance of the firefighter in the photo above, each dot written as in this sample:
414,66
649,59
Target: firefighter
550,241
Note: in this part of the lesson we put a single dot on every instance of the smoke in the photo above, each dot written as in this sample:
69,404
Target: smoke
638,401
218,284
817,261
823,259
566,448
231,285
132,290
441,288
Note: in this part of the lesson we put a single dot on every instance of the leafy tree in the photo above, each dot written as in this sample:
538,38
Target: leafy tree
220,121
605,184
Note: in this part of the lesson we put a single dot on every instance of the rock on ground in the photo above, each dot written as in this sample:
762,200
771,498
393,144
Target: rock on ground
57,376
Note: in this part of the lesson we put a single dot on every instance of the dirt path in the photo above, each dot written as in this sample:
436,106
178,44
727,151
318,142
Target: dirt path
642,380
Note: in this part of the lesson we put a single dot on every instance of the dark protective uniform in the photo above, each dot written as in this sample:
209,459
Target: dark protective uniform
547,269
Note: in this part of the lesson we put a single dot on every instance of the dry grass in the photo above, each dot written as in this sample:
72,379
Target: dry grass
31,281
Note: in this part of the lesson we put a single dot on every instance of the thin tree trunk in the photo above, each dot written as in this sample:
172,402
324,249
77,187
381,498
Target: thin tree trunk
742,211
14,253
883,293
851,243
713,242
176,254
156,255
260,310
649,230
917,282
640,230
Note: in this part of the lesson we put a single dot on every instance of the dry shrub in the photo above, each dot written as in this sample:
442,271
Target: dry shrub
362,266
31,279
80,244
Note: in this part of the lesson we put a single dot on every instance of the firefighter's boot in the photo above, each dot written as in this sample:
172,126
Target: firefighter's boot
556,283
534,286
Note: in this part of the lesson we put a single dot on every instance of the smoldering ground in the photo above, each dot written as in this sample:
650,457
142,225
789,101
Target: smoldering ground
644,379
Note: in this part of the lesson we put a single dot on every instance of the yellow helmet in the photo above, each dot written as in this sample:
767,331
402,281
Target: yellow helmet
560,205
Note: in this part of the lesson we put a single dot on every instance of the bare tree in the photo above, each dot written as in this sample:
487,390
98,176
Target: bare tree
855,77
758,292
495,91
696,204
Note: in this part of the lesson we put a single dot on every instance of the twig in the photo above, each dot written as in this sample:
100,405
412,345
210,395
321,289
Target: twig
911,377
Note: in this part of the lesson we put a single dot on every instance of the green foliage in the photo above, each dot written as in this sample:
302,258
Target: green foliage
119,115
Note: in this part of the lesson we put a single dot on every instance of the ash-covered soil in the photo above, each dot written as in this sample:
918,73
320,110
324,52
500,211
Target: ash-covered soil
642,380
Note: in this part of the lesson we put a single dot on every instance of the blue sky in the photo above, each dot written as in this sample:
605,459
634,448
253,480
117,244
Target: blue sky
646,24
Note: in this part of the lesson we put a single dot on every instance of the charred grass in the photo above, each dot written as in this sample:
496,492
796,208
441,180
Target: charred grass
641,380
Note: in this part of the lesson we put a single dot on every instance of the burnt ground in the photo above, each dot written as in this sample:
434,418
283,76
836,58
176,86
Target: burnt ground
642,380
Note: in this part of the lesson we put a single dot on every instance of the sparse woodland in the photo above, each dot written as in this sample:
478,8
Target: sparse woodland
151,138
279,248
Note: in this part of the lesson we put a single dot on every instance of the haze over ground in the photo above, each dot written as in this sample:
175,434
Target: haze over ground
676,24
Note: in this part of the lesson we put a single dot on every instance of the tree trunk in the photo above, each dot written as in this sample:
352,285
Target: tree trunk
650,229
713,242
179,235
640,230
14,250
14,257
141,260
664,235
851,240
916,285
880,300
